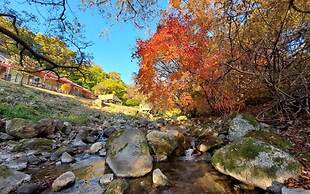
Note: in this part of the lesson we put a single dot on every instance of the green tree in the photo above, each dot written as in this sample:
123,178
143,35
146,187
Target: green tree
89,77
109,86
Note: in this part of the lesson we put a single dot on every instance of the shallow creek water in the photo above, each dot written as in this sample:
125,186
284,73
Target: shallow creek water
186,177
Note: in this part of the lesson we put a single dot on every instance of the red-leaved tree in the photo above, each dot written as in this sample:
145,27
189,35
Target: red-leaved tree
180,66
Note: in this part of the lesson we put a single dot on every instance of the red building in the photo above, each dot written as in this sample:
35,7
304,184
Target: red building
44,79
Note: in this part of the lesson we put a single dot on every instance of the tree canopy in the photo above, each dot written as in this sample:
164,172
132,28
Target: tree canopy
217,55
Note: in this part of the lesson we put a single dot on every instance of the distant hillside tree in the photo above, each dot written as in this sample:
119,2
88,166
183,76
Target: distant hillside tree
110,86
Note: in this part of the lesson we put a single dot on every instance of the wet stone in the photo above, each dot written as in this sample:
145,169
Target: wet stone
66,158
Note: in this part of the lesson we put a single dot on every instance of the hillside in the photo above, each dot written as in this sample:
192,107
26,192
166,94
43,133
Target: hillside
34,104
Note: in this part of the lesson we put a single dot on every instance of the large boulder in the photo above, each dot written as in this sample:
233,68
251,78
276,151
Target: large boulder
21,128
240,125
11,179
46,127
255,162
128,153
162,144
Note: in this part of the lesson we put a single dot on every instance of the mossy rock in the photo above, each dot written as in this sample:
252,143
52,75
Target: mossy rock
271,138
162,143
238,125
117,186
39,144
21,128
56,155
255,162
4,172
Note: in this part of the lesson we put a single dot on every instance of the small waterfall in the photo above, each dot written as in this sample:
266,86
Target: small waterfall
189,152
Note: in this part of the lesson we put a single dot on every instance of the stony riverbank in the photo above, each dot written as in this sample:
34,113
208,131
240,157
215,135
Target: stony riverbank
115,153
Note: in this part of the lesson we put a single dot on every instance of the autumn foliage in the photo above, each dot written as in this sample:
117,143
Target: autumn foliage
66,88
180,67
219,55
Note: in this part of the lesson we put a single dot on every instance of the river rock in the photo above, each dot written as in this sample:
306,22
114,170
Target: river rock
20,128
17,164
63,180
108,131
103,152
28,188
95,147
117,186
87,135
45,127
5,137
106,179
78,143
128,153
66,158
57,154
159,179
240,125
90,168
202,148
39,144
210,142
11,179
255,162
162,144
286,190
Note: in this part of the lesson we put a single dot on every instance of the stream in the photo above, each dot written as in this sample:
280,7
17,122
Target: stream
186,175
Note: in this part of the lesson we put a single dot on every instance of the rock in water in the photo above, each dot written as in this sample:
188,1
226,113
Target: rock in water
159,179
162,143
10,179
40,144
20,128
117,186
66,158
240,125
28,189
128,153
255,162
105,179
202,148
286,190
95,147
63,180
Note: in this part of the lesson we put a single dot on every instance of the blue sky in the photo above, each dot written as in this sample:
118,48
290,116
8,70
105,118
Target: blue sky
113,51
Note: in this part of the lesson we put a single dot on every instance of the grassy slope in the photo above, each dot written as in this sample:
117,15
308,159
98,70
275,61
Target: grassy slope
35,104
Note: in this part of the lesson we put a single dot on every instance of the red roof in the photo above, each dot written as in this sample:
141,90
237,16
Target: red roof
52,76
3,64
63,80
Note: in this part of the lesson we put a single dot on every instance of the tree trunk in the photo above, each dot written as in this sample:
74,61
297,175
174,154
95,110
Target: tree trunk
21,79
